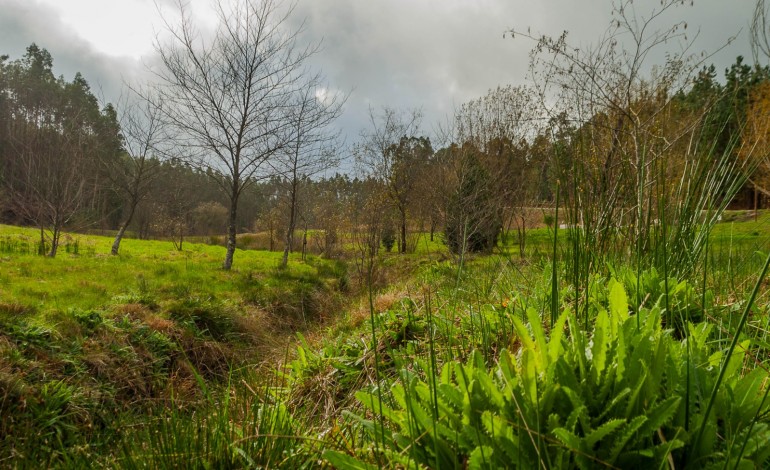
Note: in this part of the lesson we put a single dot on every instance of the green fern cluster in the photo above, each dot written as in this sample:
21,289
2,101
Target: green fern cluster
627,394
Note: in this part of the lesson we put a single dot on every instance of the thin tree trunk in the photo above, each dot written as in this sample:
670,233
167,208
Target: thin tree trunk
432,228
54,241
403,230
123,228
118,238
609,159
290,230
289,241
41,247
231,232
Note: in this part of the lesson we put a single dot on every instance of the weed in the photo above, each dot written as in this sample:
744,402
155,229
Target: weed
574,399
203,316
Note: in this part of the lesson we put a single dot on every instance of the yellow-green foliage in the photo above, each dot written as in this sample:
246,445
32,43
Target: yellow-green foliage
623,394
92,278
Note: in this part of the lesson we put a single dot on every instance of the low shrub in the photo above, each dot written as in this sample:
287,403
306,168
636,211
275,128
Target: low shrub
624,394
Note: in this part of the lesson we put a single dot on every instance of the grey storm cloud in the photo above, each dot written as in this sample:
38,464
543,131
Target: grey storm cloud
438,54
434,55
429,54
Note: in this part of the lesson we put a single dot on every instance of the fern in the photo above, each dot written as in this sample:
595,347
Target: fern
609,397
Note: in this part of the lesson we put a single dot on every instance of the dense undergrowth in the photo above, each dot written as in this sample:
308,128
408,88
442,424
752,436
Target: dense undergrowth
486,364
627,392
467,372
91,345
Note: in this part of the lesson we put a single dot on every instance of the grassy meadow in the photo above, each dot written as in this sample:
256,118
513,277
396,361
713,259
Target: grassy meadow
89,340
157,358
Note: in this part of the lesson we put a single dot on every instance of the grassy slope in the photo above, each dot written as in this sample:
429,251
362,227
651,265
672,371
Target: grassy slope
87,339
92,278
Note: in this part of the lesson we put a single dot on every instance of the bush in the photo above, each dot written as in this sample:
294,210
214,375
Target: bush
388,238
473,220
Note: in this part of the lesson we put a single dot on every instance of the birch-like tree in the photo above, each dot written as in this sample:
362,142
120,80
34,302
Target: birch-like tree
312,147
142,130
226,97
390,152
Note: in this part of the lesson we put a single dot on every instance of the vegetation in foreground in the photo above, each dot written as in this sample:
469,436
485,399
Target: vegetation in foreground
457,366
632,332
90,343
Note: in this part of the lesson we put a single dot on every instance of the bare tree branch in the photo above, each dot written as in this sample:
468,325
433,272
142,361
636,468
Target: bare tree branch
227,97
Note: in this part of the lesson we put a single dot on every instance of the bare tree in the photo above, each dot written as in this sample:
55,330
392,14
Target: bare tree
330,212
388,151
142,129
313,146
629,139
226,97
49,187
502,125
503,113
173,198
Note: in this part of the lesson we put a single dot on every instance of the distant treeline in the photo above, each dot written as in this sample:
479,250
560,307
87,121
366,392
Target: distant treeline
64,162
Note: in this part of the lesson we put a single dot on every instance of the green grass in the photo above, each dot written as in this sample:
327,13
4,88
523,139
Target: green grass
741,225
93,278
91,342
455,366
451,397
472,370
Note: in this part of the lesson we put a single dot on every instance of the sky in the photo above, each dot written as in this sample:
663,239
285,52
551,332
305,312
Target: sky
427,54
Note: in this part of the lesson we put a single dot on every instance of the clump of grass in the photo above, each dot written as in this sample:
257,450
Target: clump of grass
17,244
204,316
238,429
16,309
298,298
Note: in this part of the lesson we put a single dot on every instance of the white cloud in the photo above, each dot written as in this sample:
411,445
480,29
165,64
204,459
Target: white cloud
115,28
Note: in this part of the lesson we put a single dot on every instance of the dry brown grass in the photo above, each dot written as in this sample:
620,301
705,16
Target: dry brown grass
267,333
162,325
134,311
383,301
16,309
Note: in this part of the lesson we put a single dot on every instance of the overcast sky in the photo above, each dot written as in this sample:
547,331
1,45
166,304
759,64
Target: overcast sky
433,54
